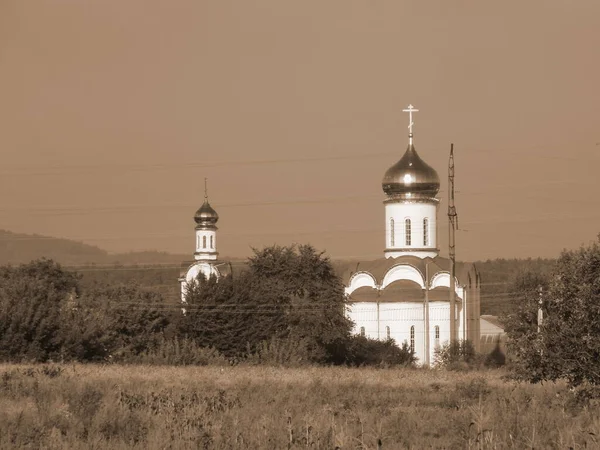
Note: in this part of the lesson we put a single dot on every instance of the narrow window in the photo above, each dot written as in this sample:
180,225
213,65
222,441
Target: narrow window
412,338
426,232
407,231
197,241
437,337
203,241
362,331
211,242
387,332
392,233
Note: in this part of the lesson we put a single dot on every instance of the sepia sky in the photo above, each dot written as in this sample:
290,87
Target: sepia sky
112,112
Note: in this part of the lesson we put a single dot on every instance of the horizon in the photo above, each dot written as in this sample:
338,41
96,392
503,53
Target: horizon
114,113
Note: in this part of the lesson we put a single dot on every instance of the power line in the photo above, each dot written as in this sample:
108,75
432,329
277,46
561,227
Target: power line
56,168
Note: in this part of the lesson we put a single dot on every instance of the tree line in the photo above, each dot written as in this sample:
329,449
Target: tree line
287,307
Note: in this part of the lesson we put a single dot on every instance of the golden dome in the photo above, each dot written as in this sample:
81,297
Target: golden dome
411,177
206,216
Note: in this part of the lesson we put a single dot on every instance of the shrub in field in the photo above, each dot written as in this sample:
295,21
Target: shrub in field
286,352
363,351
496,358
179,352
457,355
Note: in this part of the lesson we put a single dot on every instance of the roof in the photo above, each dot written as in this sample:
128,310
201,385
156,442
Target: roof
492,323
379,267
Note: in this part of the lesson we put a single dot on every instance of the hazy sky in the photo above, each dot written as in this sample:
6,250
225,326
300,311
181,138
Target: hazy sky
112,112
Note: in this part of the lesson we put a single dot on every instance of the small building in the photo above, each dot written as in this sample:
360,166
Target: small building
206,260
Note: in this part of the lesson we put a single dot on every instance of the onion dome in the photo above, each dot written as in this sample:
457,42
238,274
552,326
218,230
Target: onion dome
411,177
206,216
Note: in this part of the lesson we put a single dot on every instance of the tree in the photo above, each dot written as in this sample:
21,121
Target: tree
312,292
567,345
117,321
232,313
32,298
524,341
285,293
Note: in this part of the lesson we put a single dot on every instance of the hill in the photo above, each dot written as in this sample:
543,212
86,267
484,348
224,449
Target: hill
17,248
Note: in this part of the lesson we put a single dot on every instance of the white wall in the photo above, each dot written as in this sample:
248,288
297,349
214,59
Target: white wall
400,317
210,251
416,212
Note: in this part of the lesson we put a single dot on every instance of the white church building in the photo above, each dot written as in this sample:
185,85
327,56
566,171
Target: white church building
405,294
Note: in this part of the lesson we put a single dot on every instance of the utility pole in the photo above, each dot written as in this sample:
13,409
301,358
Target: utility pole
452,225
426,314
540,315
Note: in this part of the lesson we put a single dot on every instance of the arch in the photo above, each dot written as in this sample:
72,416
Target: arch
206,269
407,232
392,232
212,245
425,232
403,272
203,241
361,279
442,279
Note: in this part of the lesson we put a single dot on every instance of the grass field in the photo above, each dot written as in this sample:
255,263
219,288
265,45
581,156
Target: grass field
113,407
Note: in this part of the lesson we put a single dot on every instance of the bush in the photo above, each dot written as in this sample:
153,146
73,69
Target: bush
362,351
456,355
179,352
496,357
281,352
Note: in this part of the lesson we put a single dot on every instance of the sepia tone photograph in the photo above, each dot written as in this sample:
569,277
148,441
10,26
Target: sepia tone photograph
299,224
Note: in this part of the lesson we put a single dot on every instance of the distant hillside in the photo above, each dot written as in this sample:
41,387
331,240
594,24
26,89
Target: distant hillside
16,248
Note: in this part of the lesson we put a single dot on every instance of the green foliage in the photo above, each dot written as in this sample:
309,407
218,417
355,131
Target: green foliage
362,351
456,355
567,345
32,298
496,358
286,293
286,352
179,352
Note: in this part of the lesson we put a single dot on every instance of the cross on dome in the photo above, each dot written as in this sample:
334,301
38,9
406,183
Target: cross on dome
205,188
410,110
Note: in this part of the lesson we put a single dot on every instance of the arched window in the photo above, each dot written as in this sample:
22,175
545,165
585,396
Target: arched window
362,331
203,241
426,232
392,233
197,241
407,231
436,342
412,338
387,332
211,242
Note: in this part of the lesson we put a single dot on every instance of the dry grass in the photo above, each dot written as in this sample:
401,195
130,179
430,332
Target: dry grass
113,407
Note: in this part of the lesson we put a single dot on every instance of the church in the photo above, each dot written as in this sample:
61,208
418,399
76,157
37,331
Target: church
404,295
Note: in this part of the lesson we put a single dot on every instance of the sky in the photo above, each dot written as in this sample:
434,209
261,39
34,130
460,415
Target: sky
112,113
